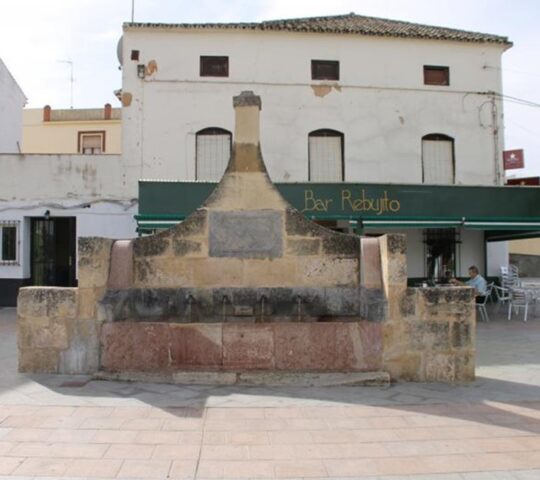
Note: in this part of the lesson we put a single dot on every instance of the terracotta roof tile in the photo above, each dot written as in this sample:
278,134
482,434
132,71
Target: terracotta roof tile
345,24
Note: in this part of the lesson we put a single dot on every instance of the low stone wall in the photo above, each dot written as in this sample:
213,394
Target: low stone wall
52,338
293,346
433,339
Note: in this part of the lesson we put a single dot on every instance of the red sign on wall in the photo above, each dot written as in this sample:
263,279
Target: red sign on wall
513,159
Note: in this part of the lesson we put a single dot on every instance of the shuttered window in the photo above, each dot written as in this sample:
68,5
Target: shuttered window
438,159
434,75
213,151
91,142
325,156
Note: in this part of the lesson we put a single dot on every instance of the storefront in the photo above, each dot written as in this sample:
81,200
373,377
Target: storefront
448,228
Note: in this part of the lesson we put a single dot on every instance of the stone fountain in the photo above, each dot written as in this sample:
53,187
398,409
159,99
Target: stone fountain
247,286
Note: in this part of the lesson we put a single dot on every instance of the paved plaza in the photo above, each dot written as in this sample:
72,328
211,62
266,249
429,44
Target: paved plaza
73,427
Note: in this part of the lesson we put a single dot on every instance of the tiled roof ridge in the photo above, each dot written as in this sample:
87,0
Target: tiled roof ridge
349,23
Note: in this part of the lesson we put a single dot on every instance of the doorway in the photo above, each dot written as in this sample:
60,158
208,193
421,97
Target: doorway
52,251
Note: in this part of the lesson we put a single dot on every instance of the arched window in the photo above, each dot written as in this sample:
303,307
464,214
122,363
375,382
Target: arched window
438,166
325,152
212,153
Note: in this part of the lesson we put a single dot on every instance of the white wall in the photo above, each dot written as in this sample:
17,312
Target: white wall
498,256
110,220
380,102
12,101
74,177
99,190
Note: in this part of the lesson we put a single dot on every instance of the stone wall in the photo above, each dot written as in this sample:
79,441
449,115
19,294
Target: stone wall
429,334
247,283
425,335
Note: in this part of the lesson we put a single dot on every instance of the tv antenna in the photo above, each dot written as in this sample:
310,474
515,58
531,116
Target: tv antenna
70,63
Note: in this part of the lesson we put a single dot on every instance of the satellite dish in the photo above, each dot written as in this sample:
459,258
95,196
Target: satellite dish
120,50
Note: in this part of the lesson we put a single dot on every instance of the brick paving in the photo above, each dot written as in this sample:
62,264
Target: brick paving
74,428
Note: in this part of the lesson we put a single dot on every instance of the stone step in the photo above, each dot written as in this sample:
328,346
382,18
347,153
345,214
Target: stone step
254,378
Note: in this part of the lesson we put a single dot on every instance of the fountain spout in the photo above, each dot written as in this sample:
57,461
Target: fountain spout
299,301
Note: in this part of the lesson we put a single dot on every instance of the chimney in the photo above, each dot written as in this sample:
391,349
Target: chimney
246,151
47,113
107,112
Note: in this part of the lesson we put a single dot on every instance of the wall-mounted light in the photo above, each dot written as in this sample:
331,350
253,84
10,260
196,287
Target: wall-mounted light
47,214
141,70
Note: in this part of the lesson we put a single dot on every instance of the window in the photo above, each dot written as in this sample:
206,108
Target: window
325,152
441,252
91,143
436,75
8,242
213,151
438,159
214,66
324,70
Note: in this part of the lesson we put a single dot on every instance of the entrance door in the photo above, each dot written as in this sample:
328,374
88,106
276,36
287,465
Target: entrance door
53,251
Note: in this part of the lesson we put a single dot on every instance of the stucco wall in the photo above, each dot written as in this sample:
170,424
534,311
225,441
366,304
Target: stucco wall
382,107
12,102
99,190
62,136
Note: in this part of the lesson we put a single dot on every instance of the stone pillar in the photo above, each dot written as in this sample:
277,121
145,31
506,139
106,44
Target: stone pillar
247,156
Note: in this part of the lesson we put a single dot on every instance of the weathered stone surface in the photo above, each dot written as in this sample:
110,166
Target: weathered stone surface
163,272
342,245
407,304
429,335
303,246
405,366
370,268
297,224
81,355
88,299
308,347
196,346
327,271
47,302
34,360
216,272
140,347
439,367
397,243
183,247
93,261
151,246
461,334
270,273
248,346
250,234
194,225
121,271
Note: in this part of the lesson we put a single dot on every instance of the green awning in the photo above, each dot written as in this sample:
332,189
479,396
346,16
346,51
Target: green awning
371,206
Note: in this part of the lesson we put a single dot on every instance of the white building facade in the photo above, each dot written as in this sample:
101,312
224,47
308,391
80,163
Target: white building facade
345,99
12,101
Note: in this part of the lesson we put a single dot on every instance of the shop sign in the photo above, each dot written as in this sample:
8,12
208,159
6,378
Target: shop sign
513,159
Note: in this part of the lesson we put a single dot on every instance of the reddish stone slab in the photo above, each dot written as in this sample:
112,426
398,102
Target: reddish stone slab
196,346
359,346
307,346
135,347
248,346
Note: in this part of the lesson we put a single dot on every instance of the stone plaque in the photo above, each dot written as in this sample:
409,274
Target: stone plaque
253,234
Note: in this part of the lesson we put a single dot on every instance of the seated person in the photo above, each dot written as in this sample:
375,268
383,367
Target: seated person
476,281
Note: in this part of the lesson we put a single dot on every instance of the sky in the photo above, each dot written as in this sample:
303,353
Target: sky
43,42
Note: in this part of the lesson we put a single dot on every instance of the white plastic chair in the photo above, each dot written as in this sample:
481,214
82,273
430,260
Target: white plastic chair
482,305
520,298
502,294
